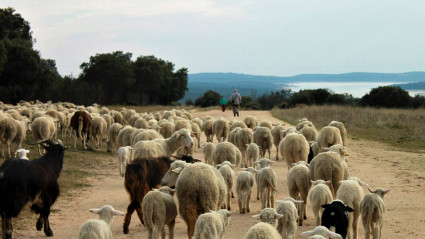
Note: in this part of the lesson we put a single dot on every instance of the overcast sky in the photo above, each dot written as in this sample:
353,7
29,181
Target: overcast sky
279,37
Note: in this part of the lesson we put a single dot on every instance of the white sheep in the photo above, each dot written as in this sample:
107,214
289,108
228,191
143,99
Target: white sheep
277,137
99,228
342,130
226,170
263,137
250,122
298,186
321,231
22,154
242,139
310,133
262,230
198,121
196,130
212,225
351,193
372,209
221,129
166,129
98,127
188,150
141,124
232,134
226,151
235,124
113,132
208,151
124,158
303,123
207,128
268,215
319,195
287,225
159,209
124,135
267,182
294,148
328,137
266,123
252,154
262,163
244,184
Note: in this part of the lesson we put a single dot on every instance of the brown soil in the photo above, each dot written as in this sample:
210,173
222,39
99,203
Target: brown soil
373,162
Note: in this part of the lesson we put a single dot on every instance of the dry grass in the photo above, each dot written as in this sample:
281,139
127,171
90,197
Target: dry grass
397,127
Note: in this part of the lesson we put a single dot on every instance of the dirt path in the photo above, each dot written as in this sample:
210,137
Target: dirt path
374,163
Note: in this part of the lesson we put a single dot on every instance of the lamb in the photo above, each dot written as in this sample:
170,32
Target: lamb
310,133
330,166
226,151
212,225
221,129
207,128
141,124
342,130
124,136
231,136
244,184
113,132
200,188
196,130
159,209
298,186
328,136
319,195
277,137
267,182
43,128
163,147
372,209
287,225
351,193
124,158
267,124
242,139
226,170
294,148
252,154
262,163
236,124
98,128
268,215
99,228
251,122
263,137
320,232
262,230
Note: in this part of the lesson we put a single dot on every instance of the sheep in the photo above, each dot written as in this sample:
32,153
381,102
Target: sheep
372,209
146,135
157,115
252,154
267,186
133,120
98,128
310,133
276,133
118,117
239,124
314,151
226,151
298,186
244,184
302,124
104,110
351,193
196,130
330,166
109,120
178,112
124,158
319,195
166,129
294,148
163,147
208,117
200,188
327,137
262,230
267,124
263,138
129,114
287,131
80,122
336,215
43,128
40,177
113,132
242,139
182,124
231,136
22,154
167,114
12,130
134,135
207,128
188,150
221,129
250,122
287,225
141,124
198,121
212,225
208,151
159,209
320,232
99,228
226,170
152,122
262,163
124,136
268,215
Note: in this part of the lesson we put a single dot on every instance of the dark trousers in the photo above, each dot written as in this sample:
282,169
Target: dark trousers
223,108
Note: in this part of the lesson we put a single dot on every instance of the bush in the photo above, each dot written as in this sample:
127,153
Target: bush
252,105
209,98
387,96
189,102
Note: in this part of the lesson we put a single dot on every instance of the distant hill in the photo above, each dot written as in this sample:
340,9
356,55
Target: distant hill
257,85
412,86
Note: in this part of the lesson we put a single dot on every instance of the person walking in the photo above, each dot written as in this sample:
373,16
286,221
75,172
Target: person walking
223,103
236,101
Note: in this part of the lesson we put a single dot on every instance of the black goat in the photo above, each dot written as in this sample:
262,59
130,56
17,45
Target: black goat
336,214
34,182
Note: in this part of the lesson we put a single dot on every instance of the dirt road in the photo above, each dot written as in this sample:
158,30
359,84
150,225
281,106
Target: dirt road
373,162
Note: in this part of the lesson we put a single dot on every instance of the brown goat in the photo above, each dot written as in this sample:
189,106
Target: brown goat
80,122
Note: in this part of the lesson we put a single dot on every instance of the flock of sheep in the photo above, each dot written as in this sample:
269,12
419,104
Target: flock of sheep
316,161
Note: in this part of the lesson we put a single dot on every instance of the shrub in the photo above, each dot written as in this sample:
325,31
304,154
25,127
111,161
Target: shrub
388,97
209,98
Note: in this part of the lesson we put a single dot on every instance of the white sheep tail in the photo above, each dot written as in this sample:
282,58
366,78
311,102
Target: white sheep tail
80,127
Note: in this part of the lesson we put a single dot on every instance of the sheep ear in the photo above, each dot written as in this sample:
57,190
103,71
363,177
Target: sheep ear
313,182
327,182
280,201
156,190
325,149
278,216
177,170
258,216
363,183
255,170
386,191
349,209
96,210
27,151
333,234
212,211
340,182
244,169
325,205
130,148
308,233
177,134
370,190
294,164
232,165
172,192
230,213
256,162
247,145
117,213
297,201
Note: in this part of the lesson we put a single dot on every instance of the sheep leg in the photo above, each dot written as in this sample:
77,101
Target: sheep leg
8,149
7,227
316,214
277,153
271,197
355,223
247,202
229,195
171,229
241,203
2,150
75,142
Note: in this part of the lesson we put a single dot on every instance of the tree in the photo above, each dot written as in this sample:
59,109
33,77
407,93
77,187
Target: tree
210,98
387,96
13,26
274,98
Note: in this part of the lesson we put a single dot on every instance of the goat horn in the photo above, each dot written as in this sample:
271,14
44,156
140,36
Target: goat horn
47,141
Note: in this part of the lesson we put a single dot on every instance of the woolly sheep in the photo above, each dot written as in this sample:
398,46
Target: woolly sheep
109,120
342,130
167,114
113,132
188,150
262,163
182,124
287,131
43,128
118,118
327,137
130,113
155,127
207,128
320,232
302,124
294,148
99,228
263,138
319,195
196,130
277,137
178,112
266,123
134,134
163,147
124,157
351,193
226,151
226,170
12,130
243,138
268,215
372,209
267,182
221,129
287,225
244,184
98,127
262,230
159,209
212,225
141,124
152,122
250,122
22,154
198,121
298,186
104,110
252,154
310,133
239,124
166,129
231,136
208,151
124,136
146,135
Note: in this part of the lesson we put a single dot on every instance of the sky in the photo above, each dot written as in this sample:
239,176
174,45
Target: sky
279,37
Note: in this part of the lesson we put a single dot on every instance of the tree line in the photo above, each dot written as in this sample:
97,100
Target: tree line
108,78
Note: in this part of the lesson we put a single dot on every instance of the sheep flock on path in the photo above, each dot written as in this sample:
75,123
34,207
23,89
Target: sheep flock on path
154,149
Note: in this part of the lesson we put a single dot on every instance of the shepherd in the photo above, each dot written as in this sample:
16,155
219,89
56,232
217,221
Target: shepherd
223,103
